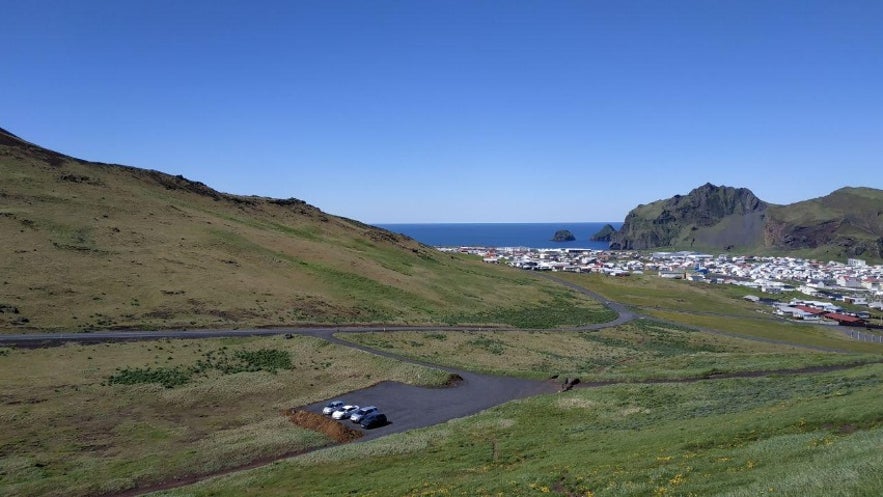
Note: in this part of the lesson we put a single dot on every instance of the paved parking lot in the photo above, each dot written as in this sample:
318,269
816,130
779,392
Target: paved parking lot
409,407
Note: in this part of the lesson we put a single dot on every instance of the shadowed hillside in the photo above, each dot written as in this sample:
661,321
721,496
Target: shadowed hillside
708,216
96,246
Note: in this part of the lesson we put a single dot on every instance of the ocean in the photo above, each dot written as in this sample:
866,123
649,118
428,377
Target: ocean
531,235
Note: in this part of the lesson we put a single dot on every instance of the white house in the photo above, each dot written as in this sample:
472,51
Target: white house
849,281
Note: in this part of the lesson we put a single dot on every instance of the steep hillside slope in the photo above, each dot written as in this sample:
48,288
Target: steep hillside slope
709,216
846,223
94,246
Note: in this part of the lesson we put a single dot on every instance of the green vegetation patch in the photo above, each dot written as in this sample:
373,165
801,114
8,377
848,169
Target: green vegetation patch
564,309
240,361
641,350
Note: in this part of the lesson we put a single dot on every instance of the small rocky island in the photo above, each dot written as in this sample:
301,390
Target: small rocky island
563,236
604,234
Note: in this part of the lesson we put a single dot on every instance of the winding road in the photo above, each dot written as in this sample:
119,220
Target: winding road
407,406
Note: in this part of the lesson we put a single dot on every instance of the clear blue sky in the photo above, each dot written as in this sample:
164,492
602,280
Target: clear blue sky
469,111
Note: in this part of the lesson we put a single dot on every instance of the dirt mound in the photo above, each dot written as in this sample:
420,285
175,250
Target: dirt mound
318,422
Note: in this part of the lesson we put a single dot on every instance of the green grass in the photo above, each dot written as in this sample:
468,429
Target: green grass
241,361
802,436
650,292
134,249
719,307
636,351
562,309
828,337
92,419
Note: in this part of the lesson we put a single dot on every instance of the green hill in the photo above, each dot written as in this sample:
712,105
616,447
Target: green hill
846,223
709,216
97,246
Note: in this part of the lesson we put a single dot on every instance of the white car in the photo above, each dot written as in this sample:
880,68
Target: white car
331,407
358,414
344,412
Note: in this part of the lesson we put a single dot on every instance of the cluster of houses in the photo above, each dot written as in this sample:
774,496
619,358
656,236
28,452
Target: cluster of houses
855,283
825,312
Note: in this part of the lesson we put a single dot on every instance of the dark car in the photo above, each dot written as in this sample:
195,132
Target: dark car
374,420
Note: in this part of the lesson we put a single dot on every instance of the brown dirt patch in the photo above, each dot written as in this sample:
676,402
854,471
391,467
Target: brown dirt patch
318,422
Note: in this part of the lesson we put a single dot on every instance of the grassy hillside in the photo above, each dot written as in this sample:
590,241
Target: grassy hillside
797,436
95,246
96,419
83,420
150,412
846,223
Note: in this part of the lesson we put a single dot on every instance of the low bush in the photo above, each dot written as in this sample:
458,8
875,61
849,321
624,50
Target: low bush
270,360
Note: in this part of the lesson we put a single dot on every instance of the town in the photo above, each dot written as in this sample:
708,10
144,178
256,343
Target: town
814,286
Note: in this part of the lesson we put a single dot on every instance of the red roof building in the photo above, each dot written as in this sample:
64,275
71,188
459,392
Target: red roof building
810,310
844,319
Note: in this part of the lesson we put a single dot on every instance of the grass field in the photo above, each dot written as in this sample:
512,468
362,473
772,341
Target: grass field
718,307
68,430
799,436
639,350
88,420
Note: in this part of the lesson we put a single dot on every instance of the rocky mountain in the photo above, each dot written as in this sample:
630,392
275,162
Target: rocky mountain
846,223
708,216
604,234
95,246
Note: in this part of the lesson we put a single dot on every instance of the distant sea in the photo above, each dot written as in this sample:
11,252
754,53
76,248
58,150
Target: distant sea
531,235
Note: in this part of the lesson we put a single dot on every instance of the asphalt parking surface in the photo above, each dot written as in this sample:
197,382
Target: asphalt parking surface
409,407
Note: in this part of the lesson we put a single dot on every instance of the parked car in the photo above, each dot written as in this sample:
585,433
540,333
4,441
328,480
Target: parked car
331,407
360,413
344,412
374,420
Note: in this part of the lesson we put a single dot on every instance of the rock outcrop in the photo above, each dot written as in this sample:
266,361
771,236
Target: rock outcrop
604,234
563,236
709,216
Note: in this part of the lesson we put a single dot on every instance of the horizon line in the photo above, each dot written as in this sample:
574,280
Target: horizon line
495,222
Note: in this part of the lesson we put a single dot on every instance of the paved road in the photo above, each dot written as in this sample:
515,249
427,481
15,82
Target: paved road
407,406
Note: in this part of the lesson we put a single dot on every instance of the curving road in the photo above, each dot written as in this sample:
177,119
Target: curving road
407,406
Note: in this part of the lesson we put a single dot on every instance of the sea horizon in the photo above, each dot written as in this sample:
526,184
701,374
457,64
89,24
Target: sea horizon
507,234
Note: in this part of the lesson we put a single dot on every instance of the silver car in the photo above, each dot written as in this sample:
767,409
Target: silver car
343,412
358,414
331,407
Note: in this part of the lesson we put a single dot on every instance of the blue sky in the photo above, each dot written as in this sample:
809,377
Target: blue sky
471,111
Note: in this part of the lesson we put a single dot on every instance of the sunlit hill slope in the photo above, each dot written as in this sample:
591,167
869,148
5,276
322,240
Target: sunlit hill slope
96,246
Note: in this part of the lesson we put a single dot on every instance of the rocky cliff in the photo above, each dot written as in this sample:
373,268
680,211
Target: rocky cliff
709,216
846,223
604,234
